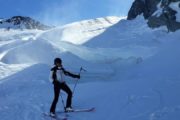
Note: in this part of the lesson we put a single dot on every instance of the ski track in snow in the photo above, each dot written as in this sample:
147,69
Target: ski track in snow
131,75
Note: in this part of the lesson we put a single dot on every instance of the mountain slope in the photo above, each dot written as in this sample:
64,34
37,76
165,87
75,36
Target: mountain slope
132,75
81,31
20,22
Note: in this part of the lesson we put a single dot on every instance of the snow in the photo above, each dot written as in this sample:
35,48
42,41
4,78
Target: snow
7,70
132,70
82,31
159,10
176,6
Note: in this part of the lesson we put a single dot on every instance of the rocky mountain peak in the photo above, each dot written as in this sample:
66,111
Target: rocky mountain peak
21,22
157,12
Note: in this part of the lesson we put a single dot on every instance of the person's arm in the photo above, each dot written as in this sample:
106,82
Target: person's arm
54,77
70,74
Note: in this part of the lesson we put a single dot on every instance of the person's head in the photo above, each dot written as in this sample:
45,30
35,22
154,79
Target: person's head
58,62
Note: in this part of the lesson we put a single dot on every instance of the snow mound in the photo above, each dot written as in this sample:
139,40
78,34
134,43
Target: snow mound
31,52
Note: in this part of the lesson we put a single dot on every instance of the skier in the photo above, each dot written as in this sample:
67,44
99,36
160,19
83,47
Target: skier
57,77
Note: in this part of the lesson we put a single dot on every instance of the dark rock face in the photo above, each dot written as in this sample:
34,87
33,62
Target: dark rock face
151,7
145,7
138,7
24,22
165,17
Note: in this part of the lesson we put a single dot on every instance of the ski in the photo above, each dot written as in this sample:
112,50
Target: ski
79,110
55,117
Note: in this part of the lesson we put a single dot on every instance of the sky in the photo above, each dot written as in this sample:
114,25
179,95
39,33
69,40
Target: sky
58,12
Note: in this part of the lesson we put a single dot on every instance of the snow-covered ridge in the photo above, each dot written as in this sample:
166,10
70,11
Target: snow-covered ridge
21,22
82,31
34,46
87,40
104,20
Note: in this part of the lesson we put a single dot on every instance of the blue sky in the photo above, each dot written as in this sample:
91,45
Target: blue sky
64,11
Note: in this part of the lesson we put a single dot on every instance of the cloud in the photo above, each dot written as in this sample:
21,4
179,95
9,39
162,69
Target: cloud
119,7
59,13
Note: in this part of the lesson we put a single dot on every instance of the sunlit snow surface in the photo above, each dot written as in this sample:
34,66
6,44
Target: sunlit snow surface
132,71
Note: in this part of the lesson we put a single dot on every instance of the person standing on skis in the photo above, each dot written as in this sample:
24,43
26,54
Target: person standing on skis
57,77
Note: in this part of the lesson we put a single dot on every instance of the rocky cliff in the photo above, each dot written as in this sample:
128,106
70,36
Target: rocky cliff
157,12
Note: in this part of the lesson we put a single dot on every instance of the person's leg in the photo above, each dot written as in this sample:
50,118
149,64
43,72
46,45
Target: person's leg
56,97
69,92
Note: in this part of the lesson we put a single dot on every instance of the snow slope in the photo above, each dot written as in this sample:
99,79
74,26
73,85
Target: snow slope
81,31
132,71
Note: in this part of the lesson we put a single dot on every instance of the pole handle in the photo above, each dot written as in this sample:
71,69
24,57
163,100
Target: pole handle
81,69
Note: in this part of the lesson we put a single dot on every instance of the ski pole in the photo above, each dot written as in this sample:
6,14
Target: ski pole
63,102
78,80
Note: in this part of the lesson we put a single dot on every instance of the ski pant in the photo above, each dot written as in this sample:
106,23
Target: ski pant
57,87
